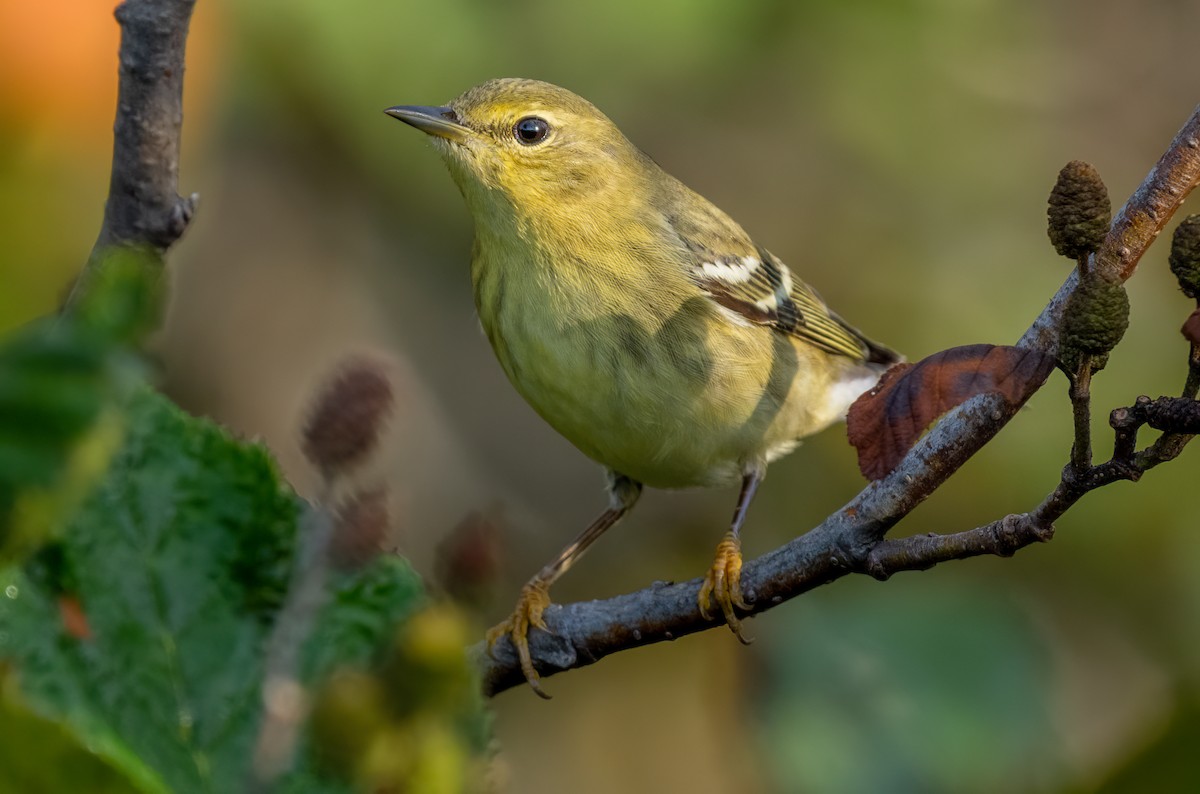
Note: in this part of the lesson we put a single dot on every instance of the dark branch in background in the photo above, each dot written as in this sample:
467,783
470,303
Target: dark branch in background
852,539
143,207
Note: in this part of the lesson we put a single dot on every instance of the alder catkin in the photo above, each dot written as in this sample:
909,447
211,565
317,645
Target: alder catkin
347,416
1185,256
1094,320
361,529
1079,210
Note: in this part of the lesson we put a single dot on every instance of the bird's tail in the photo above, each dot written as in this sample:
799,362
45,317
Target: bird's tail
880,354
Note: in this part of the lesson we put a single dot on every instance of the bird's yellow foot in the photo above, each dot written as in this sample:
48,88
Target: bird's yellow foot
535,597
723,583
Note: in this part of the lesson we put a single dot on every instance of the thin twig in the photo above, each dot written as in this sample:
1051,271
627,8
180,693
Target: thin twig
582,633
1178,418
1080,393
1192,385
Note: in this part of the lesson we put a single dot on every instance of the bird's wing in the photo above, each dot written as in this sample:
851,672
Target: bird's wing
751,282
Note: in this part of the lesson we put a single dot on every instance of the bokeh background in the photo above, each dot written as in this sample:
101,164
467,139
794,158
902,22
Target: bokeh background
897,154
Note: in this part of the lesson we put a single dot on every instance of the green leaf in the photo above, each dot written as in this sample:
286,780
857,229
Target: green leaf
37,755
365,610
51,390
123,298
59,379
179,559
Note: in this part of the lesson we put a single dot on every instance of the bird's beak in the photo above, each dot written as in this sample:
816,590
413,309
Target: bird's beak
440,121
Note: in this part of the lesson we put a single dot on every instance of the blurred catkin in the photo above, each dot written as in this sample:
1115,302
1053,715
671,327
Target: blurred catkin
347,416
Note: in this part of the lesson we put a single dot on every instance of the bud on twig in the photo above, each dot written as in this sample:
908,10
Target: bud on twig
1191,328
1094,320
1079,212
348,416
1185,256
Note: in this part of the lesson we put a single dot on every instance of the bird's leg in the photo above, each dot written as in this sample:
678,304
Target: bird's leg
535,595
723,582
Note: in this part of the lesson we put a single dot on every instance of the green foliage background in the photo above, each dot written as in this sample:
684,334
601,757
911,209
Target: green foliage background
136,604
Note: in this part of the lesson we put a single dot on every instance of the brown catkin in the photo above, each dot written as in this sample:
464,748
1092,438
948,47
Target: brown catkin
470,557
347,416
363,522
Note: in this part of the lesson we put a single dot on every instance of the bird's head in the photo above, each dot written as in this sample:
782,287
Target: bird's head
527,146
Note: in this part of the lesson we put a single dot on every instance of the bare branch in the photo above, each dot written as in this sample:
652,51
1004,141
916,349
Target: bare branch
852,539
143,206
918,553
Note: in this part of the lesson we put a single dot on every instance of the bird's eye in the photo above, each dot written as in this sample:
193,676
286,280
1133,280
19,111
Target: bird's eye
531,130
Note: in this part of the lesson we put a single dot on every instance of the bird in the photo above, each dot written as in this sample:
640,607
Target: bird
636,318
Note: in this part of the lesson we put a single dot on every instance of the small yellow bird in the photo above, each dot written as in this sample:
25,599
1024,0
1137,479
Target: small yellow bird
635,317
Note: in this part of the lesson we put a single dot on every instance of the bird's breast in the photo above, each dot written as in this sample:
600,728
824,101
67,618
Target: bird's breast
660,388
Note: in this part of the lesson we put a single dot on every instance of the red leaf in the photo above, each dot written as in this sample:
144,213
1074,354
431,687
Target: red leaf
885,422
